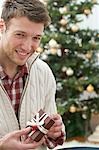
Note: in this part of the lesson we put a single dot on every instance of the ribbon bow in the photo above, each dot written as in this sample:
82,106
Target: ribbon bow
38,122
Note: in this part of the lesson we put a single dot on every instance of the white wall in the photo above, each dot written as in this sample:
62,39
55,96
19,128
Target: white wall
93,20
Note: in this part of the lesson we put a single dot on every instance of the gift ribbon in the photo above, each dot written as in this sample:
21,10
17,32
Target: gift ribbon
39,122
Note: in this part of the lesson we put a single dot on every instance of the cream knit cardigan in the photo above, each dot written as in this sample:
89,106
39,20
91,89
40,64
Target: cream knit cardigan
39,92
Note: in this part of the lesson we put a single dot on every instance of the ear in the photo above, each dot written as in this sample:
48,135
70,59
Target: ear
2,25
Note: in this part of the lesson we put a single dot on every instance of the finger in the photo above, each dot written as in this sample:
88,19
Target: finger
55,130
32,145
58,124
54,135
28,140
22,132
55,116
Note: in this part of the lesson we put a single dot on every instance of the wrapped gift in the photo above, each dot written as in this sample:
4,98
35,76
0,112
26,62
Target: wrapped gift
40,124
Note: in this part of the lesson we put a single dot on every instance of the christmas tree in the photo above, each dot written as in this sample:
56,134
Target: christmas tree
73,55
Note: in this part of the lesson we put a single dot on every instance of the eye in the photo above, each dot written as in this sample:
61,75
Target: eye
37,38
19,35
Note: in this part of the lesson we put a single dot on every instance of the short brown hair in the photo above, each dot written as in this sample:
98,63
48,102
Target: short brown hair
34,10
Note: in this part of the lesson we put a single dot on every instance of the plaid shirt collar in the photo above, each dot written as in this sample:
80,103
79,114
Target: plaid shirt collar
23,70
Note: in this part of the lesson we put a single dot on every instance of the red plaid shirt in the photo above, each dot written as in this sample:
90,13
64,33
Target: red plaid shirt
14,88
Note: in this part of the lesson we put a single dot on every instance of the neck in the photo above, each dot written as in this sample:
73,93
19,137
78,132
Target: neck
11,72
9,69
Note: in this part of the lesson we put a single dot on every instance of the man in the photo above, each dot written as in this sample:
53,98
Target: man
26,82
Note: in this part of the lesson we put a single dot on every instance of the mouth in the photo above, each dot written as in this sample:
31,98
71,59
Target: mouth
22,54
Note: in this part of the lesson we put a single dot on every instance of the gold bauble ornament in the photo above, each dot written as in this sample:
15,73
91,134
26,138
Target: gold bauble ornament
75,28
52,43
64,68
87,11
62,29
90,88
72,109
88,55
69,72
63,10
63,22
53,51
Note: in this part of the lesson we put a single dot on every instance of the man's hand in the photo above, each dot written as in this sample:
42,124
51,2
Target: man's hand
56,129
12,141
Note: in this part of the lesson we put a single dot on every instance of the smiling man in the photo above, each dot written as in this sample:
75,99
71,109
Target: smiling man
19,41
26,82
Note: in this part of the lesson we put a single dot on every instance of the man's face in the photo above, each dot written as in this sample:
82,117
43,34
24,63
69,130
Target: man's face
20,40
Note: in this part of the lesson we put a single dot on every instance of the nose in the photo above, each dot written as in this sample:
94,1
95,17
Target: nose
27,45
